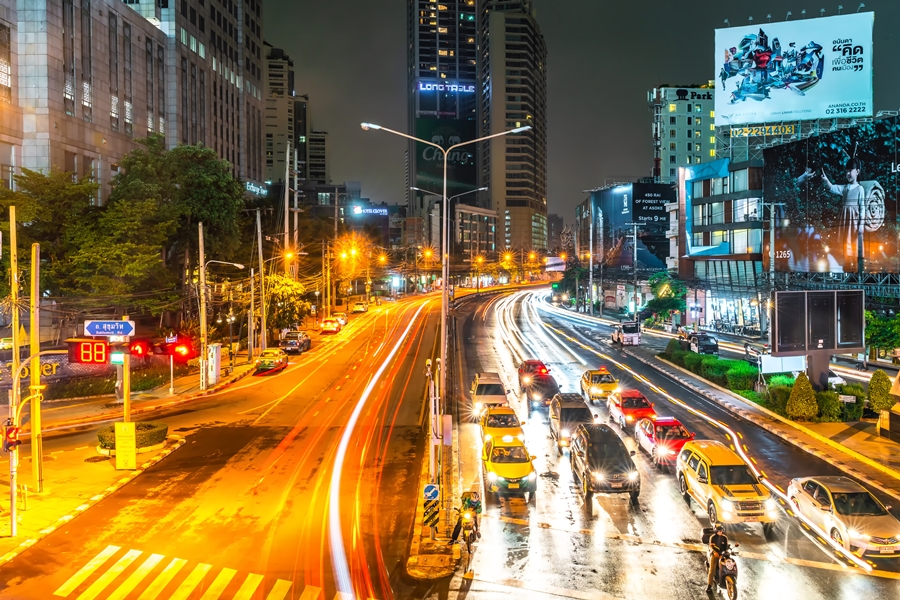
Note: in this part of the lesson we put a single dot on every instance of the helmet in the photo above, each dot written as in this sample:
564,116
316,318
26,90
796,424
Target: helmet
476,497
719,528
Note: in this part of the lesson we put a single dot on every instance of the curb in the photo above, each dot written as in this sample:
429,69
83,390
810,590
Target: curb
799,443
179,442
144,450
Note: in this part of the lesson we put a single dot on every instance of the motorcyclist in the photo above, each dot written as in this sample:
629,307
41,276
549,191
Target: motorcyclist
718,543
471,502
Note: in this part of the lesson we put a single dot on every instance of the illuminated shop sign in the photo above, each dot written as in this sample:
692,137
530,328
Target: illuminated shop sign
359,210
257,189
446,87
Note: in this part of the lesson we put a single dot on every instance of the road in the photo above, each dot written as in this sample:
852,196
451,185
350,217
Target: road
563,547
290,482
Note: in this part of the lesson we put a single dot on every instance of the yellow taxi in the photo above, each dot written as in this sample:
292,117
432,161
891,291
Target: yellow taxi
507,467
598,383
498,421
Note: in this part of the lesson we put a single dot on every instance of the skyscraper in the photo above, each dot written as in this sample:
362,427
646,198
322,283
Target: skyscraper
513,91
279,128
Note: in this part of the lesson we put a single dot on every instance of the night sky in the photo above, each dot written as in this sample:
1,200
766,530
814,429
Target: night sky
350,57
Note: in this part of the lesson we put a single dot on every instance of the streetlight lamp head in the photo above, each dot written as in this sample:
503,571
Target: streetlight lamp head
238,265
288,255
482,189
368,126
521,129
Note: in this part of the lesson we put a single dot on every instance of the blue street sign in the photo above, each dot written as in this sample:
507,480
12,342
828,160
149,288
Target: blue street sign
108,328
432,491
172,340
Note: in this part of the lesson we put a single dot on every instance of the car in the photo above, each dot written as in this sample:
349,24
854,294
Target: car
530,368
848,513
507,467
567,412
6,343
331,326
271,359
602,463
498,421
716,478
360,307
295,341
627,334
342,317
540,391
834,379
700,343
662,438
627,407
598,383
487,390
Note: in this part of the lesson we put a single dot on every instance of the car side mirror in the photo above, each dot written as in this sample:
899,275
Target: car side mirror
887,507
580,454
703,480
533,456
761,479
633,453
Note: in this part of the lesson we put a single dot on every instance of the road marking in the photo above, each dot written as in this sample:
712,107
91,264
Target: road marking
219,584
193,580
344,596
108,577
281,589
78,578
135,578
248,587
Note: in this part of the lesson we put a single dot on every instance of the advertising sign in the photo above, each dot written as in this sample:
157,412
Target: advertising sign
649,202
461,169
795,70
840,195
126,446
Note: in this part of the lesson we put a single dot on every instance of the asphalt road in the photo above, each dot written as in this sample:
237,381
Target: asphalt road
289,482
564,547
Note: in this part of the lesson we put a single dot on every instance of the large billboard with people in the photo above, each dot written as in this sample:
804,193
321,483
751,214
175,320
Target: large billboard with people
795,70
839,192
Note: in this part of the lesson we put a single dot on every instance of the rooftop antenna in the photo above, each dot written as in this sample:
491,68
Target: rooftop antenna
727,23
840,8
861,6
821,12
787,18
751,20
769,17
803,14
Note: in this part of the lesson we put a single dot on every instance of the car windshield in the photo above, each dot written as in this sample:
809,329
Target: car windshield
672,432
545,385
609,454
515,454
502,421
731,475
635,403
604,378
268,354
857,504
630,329
576,415
489,389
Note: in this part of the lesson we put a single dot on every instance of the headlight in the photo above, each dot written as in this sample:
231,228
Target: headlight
531,476
598,475
526,379
727,506
521,437
617,390
492,477
771,504
536,397
629,418
665,451
478,407
564,433
467,516
857,535
595,390
633,475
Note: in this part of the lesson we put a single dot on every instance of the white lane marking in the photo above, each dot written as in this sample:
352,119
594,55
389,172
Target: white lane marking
86,571
219,584
163,579
281,589
187,586
135,578
109,576
248,587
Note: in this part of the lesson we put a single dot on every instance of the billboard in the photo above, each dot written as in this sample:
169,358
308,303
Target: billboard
839,192
795,70
461,168
823,321
616,208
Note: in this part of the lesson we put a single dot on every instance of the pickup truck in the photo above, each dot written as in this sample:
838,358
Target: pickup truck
700,343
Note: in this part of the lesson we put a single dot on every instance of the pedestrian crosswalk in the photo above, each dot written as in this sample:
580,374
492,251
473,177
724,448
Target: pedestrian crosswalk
116,573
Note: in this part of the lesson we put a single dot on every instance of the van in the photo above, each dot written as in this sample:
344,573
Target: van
716,478
487,390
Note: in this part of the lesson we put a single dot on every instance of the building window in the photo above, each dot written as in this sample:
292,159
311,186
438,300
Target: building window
673,133
698,133
673,120
697,148
193,103
690,108
690,133
113,72
698,108
5,66
148,52
712,152
712,139
672,108
698,121
690,146
86,67
698,239
68,8
129,77
717,237
717,213
184,101
671,172
202,107
671,159
745,209
690,120
672,146
697,160
739,181
160,87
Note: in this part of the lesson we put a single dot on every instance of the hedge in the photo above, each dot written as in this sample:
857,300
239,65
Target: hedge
778,398
852,411
678,357
673,346
782,380
693,361
741,376
880,398
147,433
829,407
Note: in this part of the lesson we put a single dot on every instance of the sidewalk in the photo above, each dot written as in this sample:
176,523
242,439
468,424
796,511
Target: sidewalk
872,459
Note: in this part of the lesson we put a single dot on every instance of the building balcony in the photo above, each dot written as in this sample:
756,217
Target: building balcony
672,232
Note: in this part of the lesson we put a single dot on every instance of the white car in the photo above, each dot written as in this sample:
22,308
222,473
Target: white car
342,317
848,513
360,307
834,379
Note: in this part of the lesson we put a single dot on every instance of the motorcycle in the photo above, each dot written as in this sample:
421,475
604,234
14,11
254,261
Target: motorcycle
726,578
467,523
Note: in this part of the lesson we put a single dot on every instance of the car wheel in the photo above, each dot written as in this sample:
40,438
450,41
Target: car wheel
637,439
682,486
713,515
837,538
654,458
768,528
634,496
586,488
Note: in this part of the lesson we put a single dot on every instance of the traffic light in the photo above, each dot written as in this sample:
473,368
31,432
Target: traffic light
10,437
181,350
140,348
555,286
88,351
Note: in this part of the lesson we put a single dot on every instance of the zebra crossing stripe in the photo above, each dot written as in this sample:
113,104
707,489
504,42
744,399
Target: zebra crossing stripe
163,579
280,590
193,580
110,575
248,587
86,571
135,578
219,584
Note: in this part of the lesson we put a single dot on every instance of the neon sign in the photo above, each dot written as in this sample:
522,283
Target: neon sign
359,210
256,189
446,87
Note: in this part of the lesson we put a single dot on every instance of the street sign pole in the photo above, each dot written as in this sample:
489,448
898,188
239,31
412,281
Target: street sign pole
37,438
13,394
126,381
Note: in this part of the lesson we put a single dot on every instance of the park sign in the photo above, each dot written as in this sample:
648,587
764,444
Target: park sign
108,328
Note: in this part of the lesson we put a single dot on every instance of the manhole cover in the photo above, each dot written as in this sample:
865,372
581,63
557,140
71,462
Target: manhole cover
96,459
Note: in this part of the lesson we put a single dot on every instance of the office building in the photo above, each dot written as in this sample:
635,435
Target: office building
318,170
555,226
683,128
513,93
279,114
475,232
301,132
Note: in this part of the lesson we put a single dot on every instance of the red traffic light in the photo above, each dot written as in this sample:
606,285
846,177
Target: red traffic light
140,348
181,351
10,437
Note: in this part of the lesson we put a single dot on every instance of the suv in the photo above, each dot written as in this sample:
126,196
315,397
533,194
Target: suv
487,390
295,341
719,481
602,463
528,369
627,334
700,343
567,412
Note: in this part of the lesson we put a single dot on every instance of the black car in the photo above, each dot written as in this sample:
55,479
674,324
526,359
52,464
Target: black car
602,462
295,341
567,412
540,390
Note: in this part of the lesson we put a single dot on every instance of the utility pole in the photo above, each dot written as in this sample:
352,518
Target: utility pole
251,317
262,285
591,260
126,376
762,306
287,206
203,373
328,291
634,266
296,208
37,438
13,393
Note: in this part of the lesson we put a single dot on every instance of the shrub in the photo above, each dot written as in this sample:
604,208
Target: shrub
802,404
778,398
751,396
782,380
852,411
678,357
880,398
741,376
672,347
147,433
693,361
714,369
829,407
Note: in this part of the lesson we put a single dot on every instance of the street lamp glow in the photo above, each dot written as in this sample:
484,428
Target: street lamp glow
532,256
382,259
479,260
368,126
343,256
518,129
507,257
563,256
288,255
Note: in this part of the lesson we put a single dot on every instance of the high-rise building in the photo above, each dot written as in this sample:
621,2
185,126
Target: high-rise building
279,127
317,157
442,82
301,132
513,90
684,130
555,226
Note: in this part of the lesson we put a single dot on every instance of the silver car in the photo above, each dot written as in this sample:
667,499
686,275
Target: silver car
847,512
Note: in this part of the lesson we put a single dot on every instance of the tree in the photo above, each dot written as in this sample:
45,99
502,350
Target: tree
802,405
882,332
284,301
880,398
668,294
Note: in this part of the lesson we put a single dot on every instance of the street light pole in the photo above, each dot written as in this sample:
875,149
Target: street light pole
634,266
203,333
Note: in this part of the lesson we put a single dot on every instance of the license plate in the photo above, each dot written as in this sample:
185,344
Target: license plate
513,486
616,485
887,550
751,519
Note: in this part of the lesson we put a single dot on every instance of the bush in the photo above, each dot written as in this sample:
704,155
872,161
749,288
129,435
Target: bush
802,405
147,433
781,380
880,398
141,380
678,357
751,396
852,411
672,347
778,398
692,362
715,369
829,407
741,376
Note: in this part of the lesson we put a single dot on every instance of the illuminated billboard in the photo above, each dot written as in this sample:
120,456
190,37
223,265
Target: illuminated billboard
461,172
795,70
840,195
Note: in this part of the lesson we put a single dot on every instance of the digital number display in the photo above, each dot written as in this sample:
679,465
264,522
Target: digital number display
89,352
